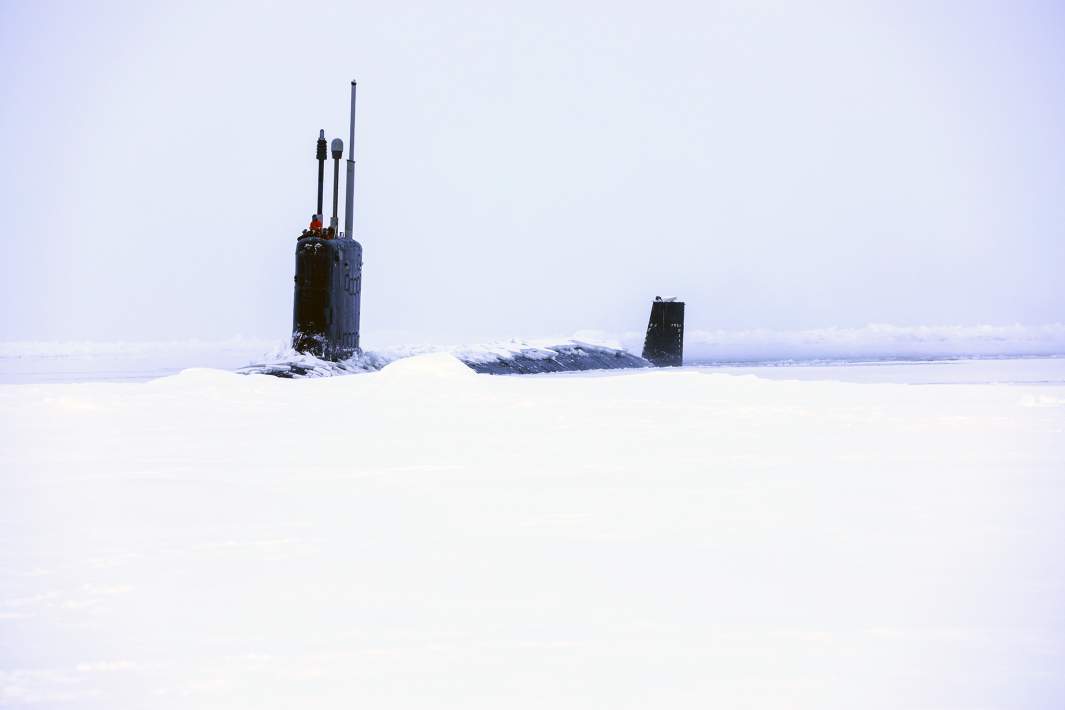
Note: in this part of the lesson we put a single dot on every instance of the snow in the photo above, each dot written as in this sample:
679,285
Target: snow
433,367
424,536
1034,370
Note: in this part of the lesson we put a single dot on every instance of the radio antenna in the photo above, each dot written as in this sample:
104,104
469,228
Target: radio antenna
349,188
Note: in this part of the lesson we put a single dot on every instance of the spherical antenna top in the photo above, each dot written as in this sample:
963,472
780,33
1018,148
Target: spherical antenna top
337,147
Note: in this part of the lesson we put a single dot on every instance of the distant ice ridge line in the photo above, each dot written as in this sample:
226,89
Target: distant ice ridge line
872,342
875,341
12,349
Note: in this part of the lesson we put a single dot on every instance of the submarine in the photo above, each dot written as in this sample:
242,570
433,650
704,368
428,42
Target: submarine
327,303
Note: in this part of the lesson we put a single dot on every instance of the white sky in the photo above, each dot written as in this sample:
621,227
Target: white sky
534,169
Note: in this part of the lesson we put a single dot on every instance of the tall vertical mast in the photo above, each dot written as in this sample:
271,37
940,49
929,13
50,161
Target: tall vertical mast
349,192
320,153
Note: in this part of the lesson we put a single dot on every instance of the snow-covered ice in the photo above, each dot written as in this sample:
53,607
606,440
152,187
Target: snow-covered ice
31,361
424,537
871,342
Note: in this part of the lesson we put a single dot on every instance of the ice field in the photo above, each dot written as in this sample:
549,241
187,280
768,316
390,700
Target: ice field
425,536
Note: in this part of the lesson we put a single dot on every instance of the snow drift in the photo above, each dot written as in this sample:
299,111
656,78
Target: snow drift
426,537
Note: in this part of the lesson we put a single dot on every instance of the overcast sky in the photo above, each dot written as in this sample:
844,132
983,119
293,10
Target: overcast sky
534,169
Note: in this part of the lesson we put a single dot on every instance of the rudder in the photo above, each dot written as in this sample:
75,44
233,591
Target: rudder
663,345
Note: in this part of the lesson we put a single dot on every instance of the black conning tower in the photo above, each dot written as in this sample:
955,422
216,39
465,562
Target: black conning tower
664,344
328,280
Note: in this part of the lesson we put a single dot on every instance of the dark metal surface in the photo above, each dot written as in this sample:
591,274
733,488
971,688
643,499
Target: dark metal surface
663,345
569,357
326,302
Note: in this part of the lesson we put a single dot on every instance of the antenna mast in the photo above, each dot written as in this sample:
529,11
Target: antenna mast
349,188
320,154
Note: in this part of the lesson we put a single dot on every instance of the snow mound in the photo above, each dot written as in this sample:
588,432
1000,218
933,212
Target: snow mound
431,365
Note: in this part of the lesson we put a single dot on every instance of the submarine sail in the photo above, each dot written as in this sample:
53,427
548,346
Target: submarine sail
328,275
